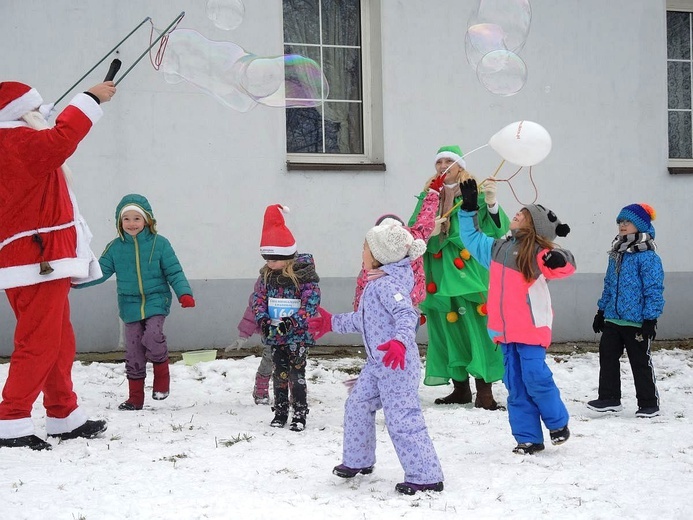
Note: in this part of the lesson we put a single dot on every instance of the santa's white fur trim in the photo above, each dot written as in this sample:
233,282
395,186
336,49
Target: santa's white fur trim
14,428
55,426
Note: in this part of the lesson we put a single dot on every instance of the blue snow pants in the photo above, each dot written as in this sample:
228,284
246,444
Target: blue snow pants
396,392
532,393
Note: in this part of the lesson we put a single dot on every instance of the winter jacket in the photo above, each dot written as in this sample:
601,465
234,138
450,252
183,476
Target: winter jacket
279,297
145,265
385,312
422,228
518,311
247,326
35,200
635,292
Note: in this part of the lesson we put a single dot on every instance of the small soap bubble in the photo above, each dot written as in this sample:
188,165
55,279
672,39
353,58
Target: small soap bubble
461,311
226,14
502,72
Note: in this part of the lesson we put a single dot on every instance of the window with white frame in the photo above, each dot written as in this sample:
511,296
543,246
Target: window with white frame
679,81
342,36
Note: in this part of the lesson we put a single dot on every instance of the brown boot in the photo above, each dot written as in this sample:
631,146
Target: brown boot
484,396
461,394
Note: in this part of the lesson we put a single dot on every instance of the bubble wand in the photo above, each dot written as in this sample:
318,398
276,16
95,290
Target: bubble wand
163,33
101,60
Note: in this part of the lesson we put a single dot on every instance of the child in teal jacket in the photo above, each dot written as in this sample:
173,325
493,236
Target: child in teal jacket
146,267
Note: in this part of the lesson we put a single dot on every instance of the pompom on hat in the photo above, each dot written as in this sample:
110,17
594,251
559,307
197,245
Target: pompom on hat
546,223
276,242
451,152
641,215
390,242
16,99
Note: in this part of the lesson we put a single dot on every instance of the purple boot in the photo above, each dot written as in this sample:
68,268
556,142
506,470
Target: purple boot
407,488
261,389
347,472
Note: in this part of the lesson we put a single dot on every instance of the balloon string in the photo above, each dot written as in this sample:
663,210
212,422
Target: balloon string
512,189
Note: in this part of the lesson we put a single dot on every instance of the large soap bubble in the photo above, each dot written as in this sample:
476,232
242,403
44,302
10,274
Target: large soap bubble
512,16
209,65
291,81
226,14
502,72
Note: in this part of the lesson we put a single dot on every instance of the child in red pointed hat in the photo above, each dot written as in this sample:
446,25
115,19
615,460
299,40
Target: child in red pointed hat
287,294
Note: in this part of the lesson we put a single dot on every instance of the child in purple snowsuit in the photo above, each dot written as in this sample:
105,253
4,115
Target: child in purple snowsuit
390,378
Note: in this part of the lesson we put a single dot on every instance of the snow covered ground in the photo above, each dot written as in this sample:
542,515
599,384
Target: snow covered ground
208,452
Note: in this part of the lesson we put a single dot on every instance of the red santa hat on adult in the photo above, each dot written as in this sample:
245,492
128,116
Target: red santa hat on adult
277,242
16,99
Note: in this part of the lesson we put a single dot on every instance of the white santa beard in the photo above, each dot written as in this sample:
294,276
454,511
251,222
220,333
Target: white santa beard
36,121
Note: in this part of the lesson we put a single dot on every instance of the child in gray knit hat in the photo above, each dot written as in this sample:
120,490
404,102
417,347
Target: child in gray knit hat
520,314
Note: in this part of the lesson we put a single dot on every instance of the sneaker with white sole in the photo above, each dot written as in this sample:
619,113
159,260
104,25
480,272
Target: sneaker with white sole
528,448
605,405
647,411
560,435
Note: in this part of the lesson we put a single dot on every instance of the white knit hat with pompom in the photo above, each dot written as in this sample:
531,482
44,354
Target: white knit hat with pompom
390,242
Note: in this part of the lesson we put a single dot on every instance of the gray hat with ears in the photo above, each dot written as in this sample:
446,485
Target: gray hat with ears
546,223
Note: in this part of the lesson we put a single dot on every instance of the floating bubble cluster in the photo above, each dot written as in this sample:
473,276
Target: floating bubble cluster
239,79
496,32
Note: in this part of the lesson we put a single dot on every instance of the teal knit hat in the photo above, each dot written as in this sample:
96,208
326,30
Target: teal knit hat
451,152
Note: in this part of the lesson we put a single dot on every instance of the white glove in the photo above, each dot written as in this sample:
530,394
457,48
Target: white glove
488,187
236,345
439,221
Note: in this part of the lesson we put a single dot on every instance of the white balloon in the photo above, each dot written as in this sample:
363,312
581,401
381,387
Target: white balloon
524,143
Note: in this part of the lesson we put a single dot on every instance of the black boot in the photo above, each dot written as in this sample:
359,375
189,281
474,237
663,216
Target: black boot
461,394
28,441
484,396
88,430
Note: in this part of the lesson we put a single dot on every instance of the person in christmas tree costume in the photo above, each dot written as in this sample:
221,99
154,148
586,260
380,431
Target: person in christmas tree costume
455,306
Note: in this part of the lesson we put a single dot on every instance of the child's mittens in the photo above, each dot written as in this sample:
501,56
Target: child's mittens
186,301
285,326
394,354
470,195
320,324
236,345
554,259
349,383
437,183
598,323
649,329
265,327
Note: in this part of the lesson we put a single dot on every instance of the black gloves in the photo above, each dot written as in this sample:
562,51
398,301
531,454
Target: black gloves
470,195
649,329
554,259
285,326
598,323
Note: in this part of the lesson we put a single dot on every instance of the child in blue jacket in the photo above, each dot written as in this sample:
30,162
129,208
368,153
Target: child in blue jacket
145,266
631,302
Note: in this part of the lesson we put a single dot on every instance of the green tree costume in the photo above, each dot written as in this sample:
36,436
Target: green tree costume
458,349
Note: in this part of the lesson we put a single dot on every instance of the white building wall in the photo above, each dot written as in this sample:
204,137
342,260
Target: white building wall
597,82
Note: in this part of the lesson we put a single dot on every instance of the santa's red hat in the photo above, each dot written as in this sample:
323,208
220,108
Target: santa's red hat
16,99
277,242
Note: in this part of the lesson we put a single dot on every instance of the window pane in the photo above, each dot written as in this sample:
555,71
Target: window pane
346,120
680,135
341,22
679,84
678,36
342,68
301,21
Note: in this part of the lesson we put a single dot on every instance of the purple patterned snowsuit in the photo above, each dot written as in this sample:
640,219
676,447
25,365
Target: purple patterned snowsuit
386,313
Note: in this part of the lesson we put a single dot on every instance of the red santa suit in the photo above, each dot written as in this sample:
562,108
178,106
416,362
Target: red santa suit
40,222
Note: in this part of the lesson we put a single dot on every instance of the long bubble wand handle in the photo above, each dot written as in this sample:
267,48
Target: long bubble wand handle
102,59
163,33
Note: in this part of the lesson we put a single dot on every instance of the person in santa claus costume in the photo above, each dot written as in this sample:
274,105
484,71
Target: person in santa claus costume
44,247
